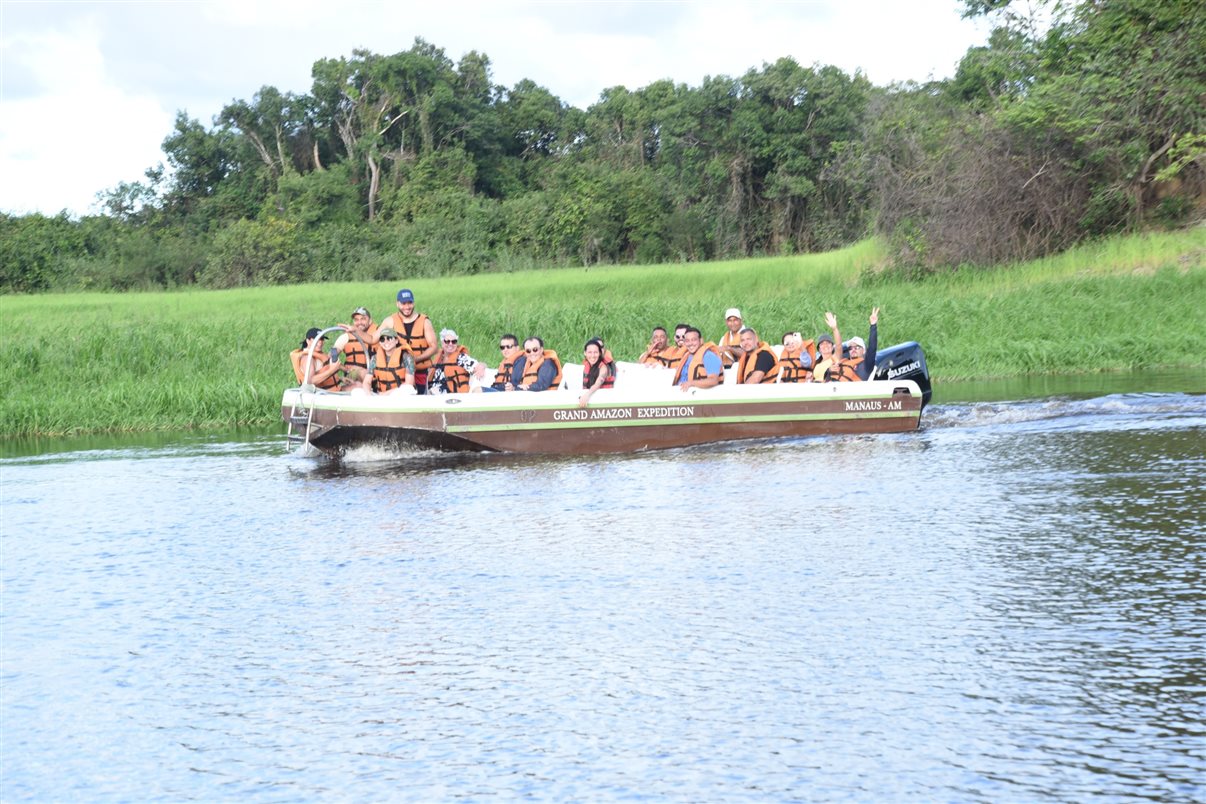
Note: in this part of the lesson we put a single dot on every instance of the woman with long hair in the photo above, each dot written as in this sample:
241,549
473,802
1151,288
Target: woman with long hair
597,371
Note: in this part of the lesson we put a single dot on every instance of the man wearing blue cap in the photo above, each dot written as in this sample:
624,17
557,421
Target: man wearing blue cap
417,335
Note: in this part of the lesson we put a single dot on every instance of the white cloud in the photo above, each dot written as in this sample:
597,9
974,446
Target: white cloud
76,134
90,90
280,15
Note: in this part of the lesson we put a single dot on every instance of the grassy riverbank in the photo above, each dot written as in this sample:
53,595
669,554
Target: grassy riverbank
144,361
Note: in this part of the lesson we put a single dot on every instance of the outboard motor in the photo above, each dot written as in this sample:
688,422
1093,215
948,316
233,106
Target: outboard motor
905,361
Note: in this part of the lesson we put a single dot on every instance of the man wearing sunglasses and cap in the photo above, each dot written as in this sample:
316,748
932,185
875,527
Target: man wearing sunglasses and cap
861,361
391,365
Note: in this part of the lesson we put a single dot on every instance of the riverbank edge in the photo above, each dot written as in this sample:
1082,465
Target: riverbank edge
208,360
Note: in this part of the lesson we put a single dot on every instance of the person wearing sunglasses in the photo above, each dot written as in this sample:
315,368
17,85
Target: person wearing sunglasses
537,369
673,355
860,361
452,367
509,352
797,358
392,365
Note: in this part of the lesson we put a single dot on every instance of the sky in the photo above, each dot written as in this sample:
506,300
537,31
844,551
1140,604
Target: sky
90,89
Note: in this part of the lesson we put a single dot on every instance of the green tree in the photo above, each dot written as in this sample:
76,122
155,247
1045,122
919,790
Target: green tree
250,252
270,124
1122,83
1045,136
33,248
201,161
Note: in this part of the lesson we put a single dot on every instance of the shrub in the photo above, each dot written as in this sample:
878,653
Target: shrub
256,253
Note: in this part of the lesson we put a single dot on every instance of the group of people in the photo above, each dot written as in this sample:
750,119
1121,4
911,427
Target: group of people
702,365
404,355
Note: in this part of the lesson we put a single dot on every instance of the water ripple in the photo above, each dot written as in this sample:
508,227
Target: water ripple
1005,606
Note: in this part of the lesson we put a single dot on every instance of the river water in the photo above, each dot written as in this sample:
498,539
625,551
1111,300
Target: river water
1006,605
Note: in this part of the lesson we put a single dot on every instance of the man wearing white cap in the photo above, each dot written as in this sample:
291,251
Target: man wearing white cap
729,344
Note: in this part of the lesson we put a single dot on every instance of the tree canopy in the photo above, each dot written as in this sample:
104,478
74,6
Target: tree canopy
412,164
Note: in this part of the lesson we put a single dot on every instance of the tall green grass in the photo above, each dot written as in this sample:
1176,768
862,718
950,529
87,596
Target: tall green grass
142,361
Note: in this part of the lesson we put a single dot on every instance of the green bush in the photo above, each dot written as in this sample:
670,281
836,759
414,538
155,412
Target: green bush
256,253
33,248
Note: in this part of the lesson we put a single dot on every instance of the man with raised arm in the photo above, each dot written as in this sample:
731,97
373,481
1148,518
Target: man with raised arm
654,354
358,340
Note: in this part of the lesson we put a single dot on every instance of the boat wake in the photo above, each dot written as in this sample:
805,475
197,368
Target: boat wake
379,452
1114,410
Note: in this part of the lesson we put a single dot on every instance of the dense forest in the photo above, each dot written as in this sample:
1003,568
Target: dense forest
410,165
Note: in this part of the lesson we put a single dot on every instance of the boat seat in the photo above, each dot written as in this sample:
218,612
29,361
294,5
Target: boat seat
571,376
628,376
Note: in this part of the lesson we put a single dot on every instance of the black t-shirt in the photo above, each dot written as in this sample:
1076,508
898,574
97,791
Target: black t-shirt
765,362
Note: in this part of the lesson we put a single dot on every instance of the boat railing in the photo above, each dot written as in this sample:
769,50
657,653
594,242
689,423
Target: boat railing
301,417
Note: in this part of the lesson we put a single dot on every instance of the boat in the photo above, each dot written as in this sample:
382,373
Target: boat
644,411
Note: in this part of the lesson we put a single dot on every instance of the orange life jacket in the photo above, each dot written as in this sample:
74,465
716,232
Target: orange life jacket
750,359
729,339
657,359
846,370
792,368
390,369
672,357
698,372
591,373
502,374
531,368
298,356
413,336
353,353
456,376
